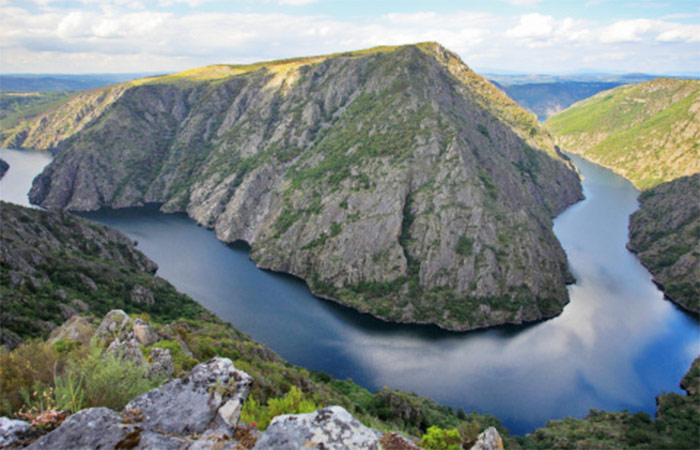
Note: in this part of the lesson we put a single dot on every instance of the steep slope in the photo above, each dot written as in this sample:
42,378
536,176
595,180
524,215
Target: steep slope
53,265
665,233
393,180
648,133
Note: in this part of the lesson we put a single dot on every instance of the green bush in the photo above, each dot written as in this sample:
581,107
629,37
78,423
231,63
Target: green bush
112,381
438,439
292,403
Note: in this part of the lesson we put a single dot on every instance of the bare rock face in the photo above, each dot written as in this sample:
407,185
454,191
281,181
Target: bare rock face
113,324
89,428
140,294
75,329
329,428
144,333
160,363
13,432
489,439
397,182
212,393
192,412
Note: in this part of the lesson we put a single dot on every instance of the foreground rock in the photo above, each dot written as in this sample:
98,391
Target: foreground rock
15,432
207,402
394,180
488,440
329,428
664,232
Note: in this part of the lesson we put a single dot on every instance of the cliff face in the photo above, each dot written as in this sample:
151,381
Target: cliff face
665,233
393,180
646,132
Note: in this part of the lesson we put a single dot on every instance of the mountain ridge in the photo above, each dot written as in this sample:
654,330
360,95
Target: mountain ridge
394,180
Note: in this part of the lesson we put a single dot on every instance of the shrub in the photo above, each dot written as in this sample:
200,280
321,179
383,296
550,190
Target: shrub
438,439
112,381
292,403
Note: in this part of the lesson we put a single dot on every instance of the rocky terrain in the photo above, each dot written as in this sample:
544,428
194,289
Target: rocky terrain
54,265
647,132
393,180
665,234
4,167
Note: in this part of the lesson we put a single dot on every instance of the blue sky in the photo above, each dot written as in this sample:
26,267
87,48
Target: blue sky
525,36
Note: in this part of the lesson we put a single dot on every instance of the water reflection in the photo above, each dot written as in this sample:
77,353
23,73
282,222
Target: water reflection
616,346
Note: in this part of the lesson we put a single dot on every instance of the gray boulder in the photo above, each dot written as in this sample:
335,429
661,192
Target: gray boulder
127,349
140,294
144,333
114,323
489,439
14,431
75,329
89,428
211,395
160,363
66,311
328,428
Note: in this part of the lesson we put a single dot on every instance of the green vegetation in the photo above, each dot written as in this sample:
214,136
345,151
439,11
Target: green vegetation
18,106
438,439
648,132
465,246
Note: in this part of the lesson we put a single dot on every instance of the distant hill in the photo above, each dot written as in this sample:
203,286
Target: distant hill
61,82
547,99
648,132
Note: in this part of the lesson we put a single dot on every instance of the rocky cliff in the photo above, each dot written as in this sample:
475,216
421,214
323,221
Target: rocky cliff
665,233
54,265
393,180
647,132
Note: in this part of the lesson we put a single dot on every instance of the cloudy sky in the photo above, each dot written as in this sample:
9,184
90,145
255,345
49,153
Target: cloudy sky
525,36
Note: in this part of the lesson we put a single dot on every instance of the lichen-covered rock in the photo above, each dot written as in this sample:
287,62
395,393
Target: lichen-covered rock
144,333
160,363
127,349
75,329
212,393
113,324
328,428
89,428
14,431
140,294
489,439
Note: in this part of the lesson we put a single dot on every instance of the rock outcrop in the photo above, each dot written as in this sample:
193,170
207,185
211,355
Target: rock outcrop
394,180
330,428
488,440
199,410
14,432
665,234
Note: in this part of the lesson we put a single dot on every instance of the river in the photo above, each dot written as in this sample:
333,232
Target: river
616,346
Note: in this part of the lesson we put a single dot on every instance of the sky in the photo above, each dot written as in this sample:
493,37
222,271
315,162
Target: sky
506,36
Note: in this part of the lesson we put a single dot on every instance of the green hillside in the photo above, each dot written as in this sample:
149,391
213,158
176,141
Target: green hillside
648,132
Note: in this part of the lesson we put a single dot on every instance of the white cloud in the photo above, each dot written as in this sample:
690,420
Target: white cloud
118,38
639,29
296,2
526,3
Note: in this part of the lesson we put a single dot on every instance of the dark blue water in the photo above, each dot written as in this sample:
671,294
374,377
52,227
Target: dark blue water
616,346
